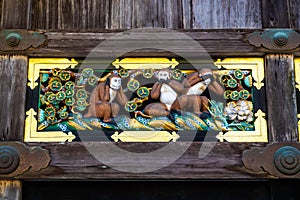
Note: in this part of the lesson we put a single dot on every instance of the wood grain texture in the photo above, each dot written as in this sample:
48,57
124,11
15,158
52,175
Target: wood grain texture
15,14
73,161
127,14
10,190
226,14
106,14
281,97
294,13
216,42
13,79
275,14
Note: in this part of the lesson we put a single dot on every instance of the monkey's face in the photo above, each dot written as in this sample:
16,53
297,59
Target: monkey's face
115,83
163,75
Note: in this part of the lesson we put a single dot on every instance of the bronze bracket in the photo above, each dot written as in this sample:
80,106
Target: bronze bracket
275,39
17,158
18,39
281,160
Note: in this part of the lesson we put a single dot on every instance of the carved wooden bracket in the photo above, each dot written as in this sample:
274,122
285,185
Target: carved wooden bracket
278,159
275,39
11,40
17,158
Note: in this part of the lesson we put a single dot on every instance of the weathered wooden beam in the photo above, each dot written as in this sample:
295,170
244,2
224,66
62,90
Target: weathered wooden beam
217,43
73,161
13,80
227,14
10,190
127,14
281,97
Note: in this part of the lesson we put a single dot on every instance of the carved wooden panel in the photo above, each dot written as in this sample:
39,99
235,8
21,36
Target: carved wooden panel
145,100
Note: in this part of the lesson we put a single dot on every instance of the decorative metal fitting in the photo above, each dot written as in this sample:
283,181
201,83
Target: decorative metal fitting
277,159
17,158
275,39
287,160
280,38
13,39
20,39
9,159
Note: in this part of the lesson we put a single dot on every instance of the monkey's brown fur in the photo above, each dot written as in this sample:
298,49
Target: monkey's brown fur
99,102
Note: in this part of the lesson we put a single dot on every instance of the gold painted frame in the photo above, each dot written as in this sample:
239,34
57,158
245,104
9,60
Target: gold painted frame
297,85
257,66
31,133
36,64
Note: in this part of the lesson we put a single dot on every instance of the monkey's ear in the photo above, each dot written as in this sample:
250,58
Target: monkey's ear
107,82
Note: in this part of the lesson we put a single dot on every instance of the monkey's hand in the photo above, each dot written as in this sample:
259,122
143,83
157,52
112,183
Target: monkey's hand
162,81
208,76
107,82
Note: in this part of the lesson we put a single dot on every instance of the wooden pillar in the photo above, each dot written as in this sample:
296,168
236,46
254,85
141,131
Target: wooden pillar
13,79
280,75
275,14
10,190
281,97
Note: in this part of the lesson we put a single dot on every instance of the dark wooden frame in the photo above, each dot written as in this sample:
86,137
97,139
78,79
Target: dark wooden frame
63,164
68,164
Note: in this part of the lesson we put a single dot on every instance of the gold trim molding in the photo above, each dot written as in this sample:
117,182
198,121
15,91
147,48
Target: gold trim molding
297,72
257,66
36,64
31,133
254,64
145,136
145,63
297,85
259,135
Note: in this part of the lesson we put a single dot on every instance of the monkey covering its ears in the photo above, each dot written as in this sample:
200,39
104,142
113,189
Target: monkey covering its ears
103,96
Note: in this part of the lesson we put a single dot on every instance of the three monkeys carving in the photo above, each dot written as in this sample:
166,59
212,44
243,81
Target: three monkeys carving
171,95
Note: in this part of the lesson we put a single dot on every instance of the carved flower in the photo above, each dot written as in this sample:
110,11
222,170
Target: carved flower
241,110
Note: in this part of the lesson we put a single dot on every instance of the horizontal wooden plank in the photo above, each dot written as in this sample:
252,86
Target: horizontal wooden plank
128,14
73,161
80,44
226,14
